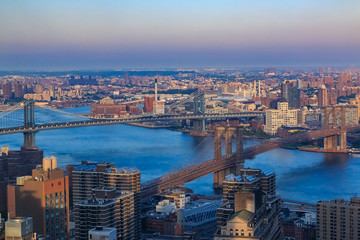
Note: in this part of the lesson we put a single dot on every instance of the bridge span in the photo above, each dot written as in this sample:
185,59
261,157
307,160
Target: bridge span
190,173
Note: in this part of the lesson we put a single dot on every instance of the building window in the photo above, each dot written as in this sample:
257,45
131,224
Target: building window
237,232
242,232
231,232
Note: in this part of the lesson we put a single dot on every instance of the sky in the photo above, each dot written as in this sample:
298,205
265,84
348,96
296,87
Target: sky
155,34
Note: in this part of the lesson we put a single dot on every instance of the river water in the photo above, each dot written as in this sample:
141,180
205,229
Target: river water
302,176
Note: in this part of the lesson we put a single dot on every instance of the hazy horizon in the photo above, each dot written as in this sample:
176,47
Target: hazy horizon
161,34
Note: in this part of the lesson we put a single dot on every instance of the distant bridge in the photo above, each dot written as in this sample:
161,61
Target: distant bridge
30,124
110,121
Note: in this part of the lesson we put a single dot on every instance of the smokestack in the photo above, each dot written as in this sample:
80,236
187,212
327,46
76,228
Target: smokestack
255,87
156,97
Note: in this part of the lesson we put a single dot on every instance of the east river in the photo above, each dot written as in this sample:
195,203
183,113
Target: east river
302,176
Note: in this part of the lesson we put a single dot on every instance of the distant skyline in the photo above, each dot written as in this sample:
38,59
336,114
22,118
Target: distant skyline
112,34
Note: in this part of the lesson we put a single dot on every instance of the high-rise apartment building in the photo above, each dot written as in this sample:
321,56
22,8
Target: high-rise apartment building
338,219
7,90
44,196
87,177
108,208
282,116
323,97
18,90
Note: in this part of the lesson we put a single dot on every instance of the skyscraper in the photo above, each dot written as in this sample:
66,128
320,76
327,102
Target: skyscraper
291,92
44,196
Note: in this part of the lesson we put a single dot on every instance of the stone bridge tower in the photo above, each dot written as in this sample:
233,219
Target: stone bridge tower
335,117
229,133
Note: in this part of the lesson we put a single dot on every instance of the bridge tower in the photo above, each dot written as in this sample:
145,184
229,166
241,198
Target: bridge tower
229,133
29,123
199,108
335,117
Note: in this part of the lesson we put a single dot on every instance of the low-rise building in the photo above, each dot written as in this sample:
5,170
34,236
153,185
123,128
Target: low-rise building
166,207
199,216
102,233
19,228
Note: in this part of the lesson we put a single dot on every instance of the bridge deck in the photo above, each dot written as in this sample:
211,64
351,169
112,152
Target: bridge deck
111,121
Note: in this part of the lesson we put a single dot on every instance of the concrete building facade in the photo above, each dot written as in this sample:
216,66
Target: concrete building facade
20,228
108,208
282,116
338,219
87,177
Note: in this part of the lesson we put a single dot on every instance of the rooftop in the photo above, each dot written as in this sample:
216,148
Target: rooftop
243,214
102,230
233,178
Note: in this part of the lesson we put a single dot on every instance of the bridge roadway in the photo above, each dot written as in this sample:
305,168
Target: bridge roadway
190,173
110,121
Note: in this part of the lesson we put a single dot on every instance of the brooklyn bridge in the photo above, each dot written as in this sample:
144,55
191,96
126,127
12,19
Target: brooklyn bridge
333,132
